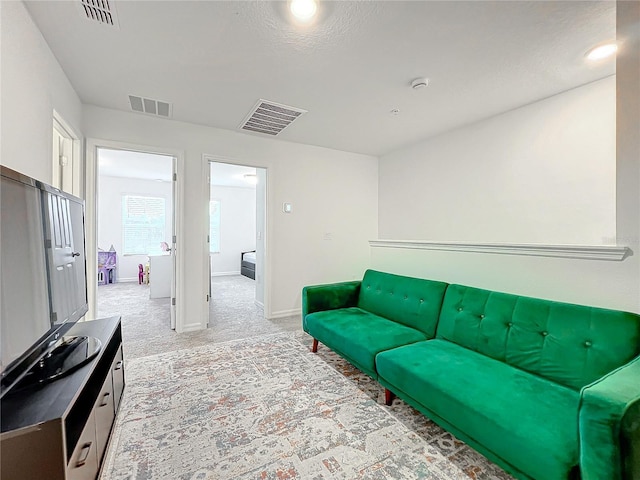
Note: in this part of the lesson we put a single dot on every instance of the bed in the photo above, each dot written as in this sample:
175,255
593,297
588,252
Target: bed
248,264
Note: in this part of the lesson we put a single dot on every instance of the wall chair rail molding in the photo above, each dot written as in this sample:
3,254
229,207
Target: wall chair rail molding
587,252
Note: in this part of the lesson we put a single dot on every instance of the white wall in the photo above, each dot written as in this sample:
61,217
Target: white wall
110,192
237,227
331,192
544,173
33,85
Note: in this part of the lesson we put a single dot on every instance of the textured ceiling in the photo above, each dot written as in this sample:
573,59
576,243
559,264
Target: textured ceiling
150,166
213,60
226,175
126,164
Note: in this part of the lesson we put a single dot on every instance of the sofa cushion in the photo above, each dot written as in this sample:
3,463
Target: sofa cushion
569,344
358,335
528,421
414,302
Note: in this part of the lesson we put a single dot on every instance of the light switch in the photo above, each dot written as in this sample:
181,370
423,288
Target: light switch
286,207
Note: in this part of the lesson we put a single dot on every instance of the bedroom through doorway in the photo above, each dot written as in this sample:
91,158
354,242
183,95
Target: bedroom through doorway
135,239
237,206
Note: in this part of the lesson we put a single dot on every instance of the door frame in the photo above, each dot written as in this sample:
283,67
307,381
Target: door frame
266,267
62,127
91,215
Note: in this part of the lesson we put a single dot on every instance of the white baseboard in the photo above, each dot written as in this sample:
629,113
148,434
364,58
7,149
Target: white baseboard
124,280
191,327
127,280
286,313
223,274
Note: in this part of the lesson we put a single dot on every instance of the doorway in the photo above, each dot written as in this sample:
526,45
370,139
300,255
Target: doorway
236,242
136,233
66,171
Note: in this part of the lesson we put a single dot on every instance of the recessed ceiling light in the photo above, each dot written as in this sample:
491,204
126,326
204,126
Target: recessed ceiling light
303,10
395,111
602,51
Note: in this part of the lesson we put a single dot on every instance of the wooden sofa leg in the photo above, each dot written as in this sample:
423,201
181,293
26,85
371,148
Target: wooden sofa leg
388,397
314,347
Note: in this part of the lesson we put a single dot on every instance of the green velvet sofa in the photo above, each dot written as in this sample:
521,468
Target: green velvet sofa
547,390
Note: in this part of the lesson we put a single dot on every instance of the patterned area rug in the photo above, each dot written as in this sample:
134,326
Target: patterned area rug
267,408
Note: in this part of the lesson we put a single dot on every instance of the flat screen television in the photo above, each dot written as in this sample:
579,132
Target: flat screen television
43,284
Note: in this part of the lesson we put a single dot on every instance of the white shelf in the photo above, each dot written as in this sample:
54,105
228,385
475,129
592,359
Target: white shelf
589,252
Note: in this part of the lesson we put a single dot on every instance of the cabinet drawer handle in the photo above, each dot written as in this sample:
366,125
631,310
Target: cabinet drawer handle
84,454
118,365
104,399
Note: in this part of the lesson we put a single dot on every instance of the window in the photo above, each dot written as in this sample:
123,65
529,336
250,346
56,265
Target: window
143,224
214,226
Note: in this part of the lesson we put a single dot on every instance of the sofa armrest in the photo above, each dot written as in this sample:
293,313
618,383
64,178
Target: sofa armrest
329,297
606,427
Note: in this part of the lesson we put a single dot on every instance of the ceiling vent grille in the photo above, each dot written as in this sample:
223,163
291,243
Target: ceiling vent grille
270,118
101,11
150,106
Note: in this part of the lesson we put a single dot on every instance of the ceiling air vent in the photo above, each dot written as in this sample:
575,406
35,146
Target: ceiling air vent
149,106
270,118
101,11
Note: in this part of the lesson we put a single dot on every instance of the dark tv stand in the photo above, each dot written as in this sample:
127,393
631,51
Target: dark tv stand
59,430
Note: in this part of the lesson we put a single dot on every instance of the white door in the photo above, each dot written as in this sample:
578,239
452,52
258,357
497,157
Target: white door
66,260
174,250
63,160
208,316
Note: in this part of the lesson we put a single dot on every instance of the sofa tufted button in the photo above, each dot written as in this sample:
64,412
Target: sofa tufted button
544,334
422,300
368,287
481,316
406,296
510,324
587,344
459,309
